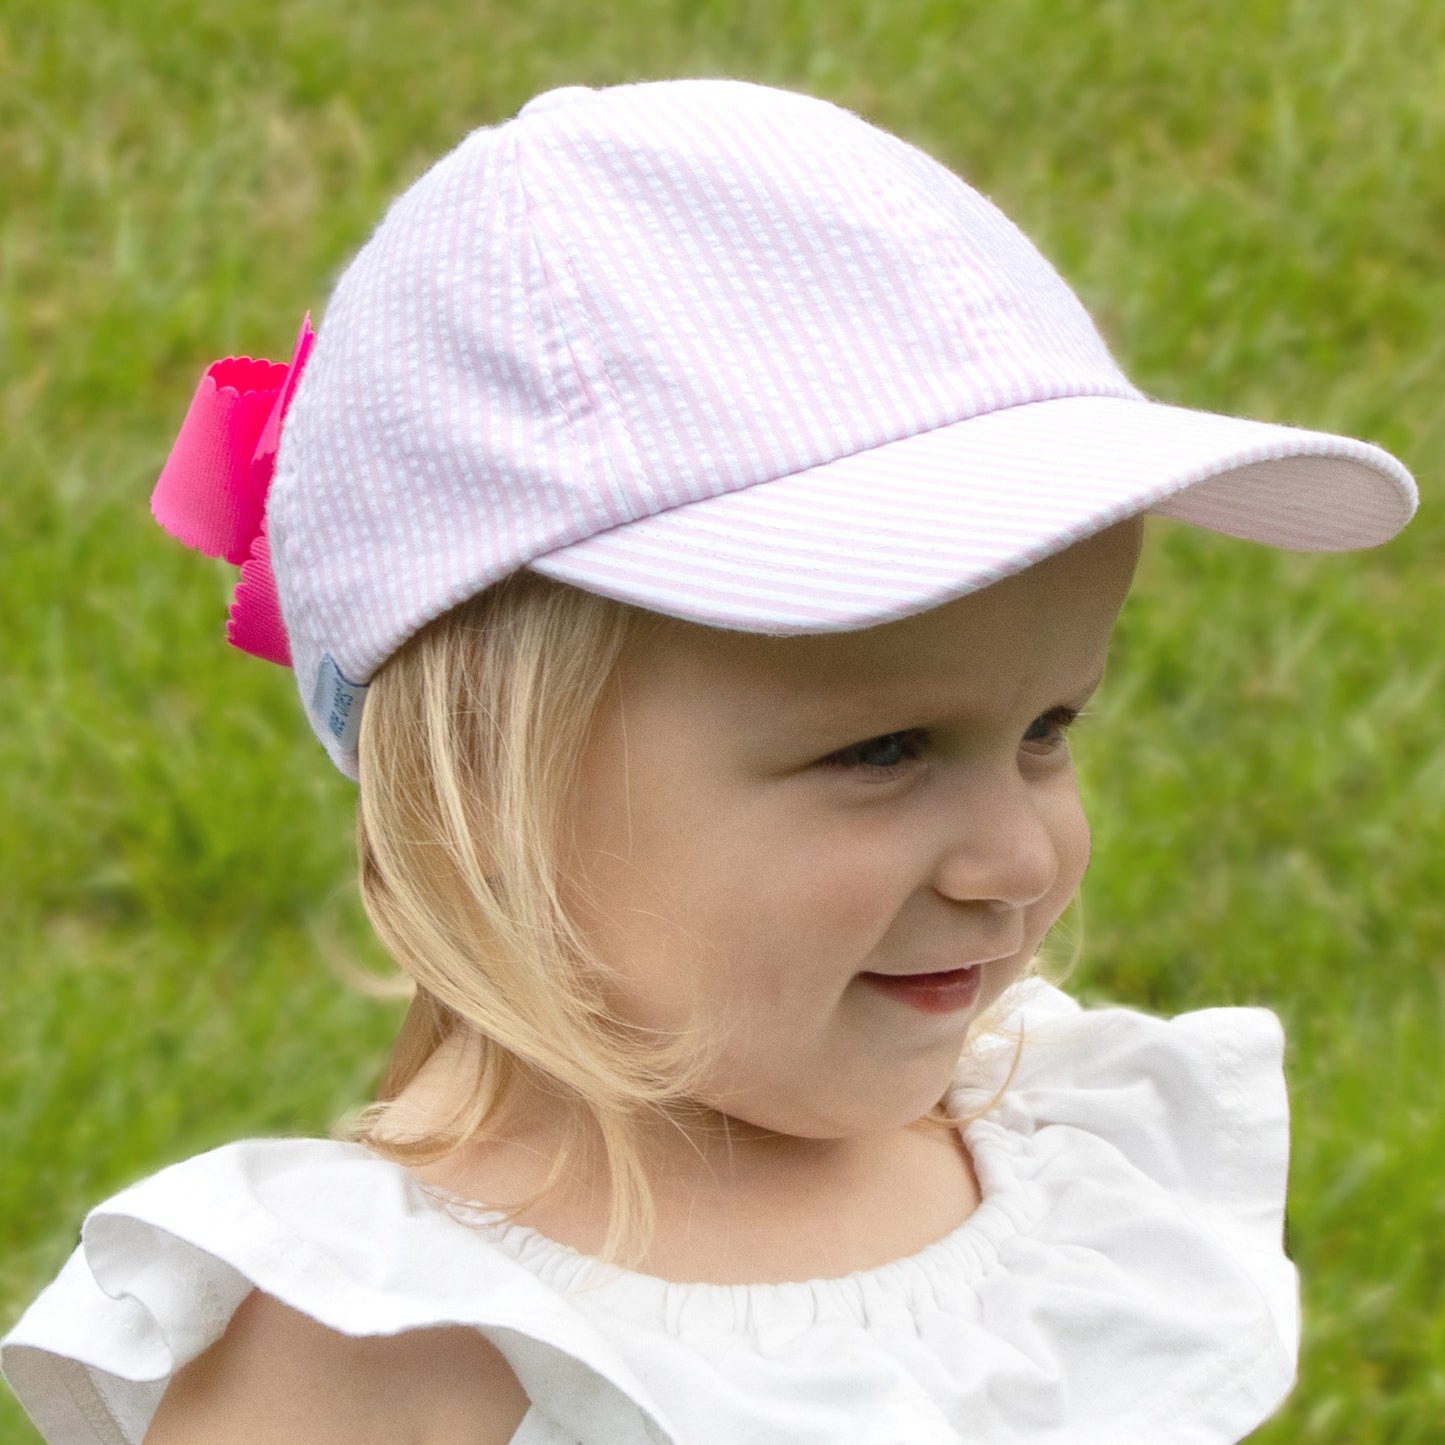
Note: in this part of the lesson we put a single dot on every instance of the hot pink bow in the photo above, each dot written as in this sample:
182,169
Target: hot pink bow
211,493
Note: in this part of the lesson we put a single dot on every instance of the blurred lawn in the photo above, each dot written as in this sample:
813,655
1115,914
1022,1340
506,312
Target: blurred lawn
1252,199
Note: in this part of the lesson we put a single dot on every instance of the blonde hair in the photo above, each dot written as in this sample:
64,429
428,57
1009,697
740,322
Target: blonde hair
471,741
470,744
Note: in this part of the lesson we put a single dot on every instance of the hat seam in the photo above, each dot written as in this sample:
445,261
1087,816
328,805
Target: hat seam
531,179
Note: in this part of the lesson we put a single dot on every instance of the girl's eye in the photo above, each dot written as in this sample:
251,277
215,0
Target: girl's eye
885,754
1049,730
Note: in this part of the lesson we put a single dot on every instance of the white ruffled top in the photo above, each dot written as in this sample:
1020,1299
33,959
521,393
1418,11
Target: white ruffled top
1123,1279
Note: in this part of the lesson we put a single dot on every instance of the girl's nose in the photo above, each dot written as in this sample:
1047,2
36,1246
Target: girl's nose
1000,849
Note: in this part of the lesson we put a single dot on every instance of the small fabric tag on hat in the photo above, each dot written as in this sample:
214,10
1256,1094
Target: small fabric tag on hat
336,704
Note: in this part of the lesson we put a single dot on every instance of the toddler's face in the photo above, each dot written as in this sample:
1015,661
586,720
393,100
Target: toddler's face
764,822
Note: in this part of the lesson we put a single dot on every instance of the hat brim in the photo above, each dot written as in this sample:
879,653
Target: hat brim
903,527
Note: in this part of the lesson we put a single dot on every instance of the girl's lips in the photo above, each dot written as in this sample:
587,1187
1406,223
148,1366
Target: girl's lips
931,993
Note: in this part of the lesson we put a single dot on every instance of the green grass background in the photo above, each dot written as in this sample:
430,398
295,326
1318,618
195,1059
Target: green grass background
1251,197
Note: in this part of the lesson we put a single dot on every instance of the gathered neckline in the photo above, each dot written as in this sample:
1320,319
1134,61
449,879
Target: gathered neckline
1006,1207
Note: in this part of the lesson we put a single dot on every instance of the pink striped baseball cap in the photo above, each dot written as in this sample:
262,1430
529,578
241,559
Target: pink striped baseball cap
734,355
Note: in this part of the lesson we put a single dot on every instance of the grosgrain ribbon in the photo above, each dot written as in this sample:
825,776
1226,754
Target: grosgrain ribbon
211,493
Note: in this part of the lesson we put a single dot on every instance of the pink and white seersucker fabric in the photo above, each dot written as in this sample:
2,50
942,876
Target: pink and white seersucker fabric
731,354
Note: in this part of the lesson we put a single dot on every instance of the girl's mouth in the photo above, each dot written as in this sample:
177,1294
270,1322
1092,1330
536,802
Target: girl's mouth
931,993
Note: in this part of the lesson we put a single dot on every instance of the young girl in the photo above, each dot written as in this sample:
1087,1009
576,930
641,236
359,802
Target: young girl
698,524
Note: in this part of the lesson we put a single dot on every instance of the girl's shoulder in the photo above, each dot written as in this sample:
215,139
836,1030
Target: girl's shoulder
313,1254
278,1375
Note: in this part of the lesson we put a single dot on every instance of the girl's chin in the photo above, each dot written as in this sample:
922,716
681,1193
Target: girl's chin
867,1114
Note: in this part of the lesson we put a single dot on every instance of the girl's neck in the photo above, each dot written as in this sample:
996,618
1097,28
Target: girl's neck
735,1204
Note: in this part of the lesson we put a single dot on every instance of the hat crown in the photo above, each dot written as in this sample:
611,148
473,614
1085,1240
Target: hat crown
625,300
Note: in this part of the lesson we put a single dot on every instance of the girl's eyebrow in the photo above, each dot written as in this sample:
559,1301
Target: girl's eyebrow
855,711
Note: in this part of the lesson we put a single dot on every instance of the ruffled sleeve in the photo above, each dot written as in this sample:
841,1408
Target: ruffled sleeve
163,1266
1155,1151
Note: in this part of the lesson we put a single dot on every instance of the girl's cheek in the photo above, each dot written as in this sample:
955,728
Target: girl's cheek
854,891
1073,845
1080,838
779,877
